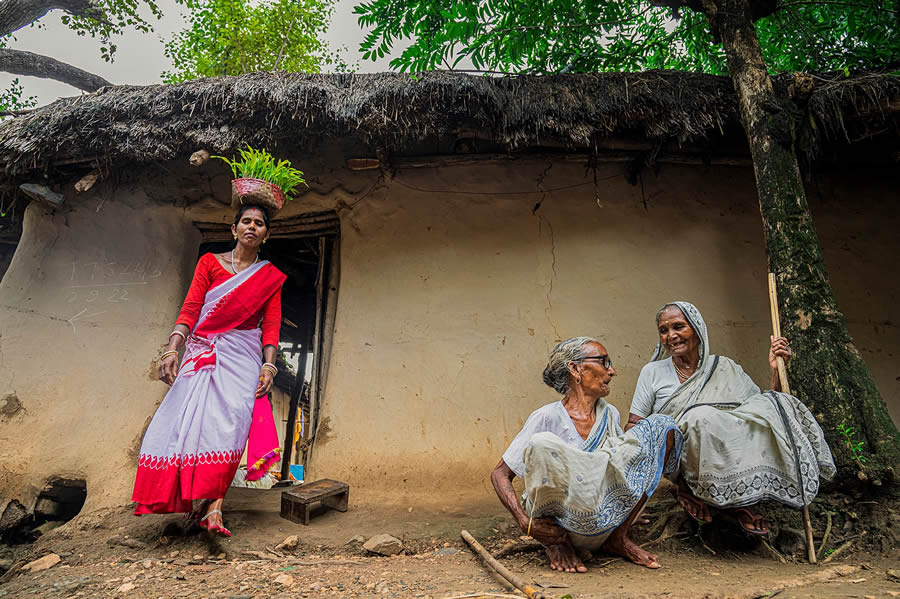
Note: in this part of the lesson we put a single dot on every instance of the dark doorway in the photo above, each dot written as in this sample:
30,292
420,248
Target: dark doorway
12,210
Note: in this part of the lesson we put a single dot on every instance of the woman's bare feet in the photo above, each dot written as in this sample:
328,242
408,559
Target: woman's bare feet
620,544
562,558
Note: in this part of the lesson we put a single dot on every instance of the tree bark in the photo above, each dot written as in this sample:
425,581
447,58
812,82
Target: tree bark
20,62
15,14
827,372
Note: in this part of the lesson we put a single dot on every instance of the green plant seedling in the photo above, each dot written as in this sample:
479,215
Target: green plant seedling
260,164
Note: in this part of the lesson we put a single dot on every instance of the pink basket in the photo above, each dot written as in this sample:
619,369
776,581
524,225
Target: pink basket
256,192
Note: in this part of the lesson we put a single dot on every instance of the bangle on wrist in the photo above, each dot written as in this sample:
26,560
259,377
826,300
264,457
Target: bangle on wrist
183,337
171,352
270,367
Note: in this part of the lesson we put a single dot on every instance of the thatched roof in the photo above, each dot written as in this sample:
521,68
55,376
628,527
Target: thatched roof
396,111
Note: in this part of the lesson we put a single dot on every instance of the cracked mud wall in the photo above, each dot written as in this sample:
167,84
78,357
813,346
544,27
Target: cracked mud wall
84,307
454,289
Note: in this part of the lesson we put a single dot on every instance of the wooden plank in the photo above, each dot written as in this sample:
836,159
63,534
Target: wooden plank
43,194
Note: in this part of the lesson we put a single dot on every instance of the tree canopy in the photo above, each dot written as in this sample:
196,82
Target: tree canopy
555,36
233,37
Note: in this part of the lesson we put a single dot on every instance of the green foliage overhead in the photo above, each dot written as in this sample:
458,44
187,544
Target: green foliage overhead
552,36
233,37
259,164
113,17
13,99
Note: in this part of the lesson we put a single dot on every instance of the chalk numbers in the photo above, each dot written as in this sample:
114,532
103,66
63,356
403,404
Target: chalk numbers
109,282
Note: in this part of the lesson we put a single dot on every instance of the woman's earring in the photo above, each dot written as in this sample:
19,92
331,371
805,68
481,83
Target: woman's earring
235,236
578,380
265,240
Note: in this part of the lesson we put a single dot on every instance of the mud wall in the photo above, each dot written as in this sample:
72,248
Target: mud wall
455,283
455,286
84,307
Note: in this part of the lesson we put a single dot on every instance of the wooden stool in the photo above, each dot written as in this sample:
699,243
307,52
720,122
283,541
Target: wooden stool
331,493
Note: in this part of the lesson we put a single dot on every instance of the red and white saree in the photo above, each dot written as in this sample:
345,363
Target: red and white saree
194,443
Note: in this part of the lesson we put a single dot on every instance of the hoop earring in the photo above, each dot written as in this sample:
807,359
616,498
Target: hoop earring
578,380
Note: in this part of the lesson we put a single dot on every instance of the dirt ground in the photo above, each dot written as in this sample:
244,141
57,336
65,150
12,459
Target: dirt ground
113,554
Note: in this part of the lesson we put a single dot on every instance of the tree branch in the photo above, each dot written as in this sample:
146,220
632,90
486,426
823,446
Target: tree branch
630,19
287,36
29,64
15,14
830,3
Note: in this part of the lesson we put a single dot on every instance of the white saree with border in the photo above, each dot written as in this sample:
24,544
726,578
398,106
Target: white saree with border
742,445
591,489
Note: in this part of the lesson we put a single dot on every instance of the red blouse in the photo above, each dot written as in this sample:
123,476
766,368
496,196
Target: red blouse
210,273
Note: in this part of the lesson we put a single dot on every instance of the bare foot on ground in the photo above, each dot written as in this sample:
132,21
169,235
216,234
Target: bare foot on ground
625,547
563,558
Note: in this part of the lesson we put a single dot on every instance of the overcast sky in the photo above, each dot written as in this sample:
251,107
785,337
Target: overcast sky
139,59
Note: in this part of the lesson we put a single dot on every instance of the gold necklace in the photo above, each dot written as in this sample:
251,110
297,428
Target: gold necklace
680,372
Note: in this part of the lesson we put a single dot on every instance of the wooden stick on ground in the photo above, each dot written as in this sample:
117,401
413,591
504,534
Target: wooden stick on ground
782,375
514,580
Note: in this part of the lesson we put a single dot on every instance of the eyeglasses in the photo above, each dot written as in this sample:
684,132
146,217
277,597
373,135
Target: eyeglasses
604,360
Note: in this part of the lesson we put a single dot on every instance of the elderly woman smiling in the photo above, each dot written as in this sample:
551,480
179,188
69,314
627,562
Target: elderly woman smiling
741,446
585,479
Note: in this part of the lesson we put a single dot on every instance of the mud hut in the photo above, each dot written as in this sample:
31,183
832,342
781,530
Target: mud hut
456,227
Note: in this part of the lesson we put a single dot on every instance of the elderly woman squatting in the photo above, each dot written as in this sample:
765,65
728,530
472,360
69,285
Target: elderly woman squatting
585,479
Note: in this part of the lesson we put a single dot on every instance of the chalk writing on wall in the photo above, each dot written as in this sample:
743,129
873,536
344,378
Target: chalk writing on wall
96,287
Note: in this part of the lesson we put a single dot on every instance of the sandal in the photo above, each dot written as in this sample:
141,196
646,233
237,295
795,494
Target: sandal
195,514
755,524
214,528
693,506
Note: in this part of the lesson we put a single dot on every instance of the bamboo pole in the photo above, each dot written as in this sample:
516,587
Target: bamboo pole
514,580
785,387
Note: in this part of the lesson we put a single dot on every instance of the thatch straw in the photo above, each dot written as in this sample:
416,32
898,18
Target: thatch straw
395,111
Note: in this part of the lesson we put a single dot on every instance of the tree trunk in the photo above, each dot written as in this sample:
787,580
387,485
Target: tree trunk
827,372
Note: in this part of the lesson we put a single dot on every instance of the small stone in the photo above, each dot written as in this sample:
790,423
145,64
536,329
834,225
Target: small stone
284,579
447,551
125,587
289,544
44,563
357,540
383,544
370,586
316,586
893,575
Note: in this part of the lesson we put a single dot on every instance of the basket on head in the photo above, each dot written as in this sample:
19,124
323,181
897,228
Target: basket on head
256,192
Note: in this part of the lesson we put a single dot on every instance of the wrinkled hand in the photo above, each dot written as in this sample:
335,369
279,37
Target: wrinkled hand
168,369
779,348
546,531
265,382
